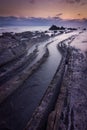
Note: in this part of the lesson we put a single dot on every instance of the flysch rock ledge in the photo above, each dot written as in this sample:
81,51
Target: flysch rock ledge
70,111
40,115
16,82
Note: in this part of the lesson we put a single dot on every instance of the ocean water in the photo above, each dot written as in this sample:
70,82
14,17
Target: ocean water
17,29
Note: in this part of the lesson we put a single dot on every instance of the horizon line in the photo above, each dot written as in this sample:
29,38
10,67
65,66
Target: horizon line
30,17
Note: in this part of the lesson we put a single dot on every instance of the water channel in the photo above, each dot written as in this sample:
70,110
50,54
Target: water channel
18,108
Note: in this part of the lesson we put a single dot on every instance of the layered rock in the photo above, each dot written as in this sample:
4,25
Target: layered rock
15,45
39,118
16,59
70,112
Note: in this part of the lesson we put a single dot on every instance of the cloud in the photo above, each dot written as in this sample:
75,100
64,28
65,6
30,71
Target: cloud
77,1
81,2
57,15
73,1
84,19
56,18
79,14
84,3
32,1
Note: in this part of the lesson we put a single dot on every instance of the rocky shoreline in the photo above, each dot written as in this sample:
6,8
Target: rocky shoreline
70,112
7,88
39,117
15,45
16,57
19,63
64,104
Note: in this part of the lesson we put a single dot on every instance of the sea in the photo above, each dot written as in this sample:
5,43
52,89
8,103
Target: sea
18,29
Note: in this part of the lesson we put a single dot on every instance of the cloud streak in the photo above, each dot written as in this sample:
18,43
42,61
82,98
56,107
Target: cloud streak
73,1
57,15
79,14
32,1
44,8
82,2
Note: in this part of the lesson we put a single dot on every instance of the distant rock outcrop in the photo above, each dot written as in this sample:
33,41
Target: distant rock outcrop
54,27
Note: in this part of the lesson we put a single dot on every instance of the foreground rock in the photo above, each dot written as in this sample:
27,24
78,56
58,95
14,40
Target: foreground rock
70,112
12,46
17,80
39,117
16,57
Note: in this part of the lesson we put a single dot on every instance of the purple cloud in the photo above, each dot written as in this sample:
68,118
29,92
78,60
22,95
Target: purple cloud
82,2
57,15
31,1
73,1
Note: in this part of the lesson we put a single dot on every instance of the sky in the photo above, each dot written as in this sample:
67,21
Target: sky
65,9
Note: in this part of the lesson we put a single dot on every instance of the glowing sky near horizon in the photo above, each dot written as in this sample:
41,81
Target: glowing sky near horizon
66,9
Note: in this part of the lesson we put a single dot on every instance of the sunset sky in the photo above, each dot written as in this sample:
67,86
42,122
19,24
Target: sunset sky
65,9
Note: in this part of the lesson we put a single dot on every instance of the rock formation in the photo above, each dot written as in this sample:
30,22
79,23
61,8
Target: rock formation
70,112
54,27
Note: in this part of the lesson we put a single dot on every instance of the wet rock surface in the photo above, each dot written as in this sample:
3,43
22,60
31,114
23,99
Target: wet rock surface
15,45
16,55
39,117
16,72
74,115
70,112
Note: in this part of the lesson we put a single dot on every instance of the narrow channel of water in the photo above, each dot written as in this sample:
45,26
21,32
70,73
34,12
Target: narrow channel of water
17,109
